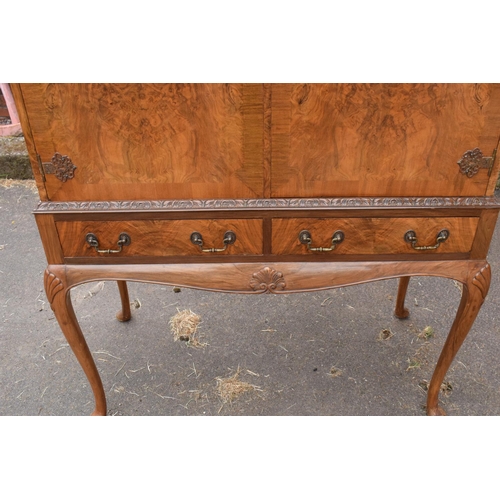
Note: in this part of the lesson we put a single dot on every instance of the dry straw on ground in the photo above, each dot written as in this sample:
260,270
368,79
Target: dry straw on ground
232,387
426,333
446,387
184,326
335,372
9,183
385,334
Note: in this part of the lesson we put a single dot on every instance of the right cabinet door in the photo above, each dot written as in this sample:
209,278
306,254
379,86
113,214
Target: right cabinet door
383,139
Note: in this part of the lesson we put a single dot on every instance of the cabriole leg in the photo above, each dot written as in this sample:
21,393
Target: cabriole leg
401,312
60,302
124,314
474,292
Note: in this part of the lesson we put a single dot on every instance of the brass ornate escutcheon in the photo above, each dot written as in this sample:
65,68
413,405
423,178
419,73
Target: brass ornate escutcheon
411,237
229,239
123,240
61,166
305,239
473,160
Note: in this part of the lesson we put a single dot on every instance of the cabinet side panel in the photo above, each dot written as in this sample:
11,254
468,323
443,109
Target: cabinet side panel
495,171
28,138
50,238
484,234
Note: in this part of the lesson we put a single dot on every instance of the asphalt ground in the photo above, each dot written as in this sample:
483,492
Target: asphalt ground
335,352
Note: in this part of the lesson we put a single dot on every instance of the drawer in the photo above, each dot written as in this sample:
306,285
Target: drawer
375,236
160,237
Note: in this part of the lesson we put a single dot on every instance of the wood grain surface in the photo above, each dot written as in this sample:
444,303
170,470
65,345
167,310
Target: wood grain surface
202,141
132,141
373,235
160,237
381,139
239,277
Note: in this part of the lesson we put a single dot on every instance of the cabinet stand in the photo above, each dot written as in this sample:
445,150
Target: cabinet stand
275,277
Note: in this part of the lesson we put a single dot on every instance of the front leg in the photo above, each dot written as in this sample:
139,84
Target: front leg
474,292
60,302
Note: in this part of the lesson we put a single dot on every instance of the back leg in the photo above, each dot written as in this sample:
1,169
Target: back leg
401,312
124,314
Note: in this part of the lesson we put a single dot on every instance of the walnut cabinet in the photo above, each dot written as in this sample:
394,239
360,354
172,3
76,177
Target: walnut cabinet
263,188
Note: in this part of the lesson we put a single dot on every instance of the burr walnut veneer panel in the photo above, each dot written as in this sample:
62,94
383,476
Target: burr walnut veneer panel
150,141
365,236
160,237
380,139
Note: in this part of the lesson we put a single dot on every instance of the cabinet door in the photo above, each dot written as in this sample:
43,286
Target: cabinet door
381,139
148,141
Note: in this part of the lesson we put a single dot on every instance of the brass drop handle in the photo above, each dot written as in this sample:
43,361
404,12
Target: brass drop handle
411,237
305,239
229,239
123,240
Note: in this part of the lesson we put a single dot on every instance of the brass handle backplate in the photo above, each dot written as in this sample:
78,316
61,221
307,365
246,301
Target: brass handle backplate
411,237
123,240
229,239
305,239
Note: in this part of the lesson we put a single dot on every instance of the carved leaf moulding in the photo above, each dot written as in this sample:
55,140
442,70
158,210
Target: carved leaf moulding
263,204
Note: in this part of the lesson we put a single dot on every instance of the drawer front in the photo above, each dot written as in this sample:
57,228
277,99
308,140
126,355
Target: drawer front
160,237
373,236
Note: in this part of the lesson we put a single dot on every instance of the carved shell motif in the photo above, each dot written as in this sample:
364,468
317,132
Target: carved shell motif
482,280
267,280
53,285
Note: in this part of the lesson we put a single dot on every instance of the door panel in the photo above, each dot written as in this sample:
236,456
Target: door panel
150,141
381,139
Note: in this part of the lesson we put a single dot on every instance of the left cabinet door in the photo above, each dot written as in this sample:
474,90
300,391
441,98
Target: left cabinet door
147,141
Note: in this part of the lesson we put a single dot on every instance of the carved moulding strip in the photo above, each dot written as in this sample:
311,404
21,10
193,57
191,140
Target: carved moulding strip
472,161
265,204
61,166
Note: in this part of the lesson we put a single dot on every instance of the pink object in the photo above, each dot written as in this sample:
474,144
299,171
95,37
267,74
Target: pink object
15,127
